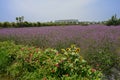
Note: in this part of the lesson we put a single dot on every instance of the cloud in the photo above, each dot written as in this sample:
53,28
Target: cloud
48,9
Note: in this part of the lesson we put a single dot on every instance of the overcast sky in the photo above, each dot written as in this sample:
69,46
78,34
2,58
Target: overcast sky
50,10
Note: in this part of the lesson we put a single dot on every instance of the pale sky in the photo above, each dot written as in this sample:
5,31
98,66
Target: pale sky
50,10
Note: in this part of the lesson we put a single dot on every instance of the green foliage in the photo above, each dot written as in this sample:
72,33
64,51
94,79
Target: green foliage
113,21
6,24
1,24
102,59
7,51
84,23
30,63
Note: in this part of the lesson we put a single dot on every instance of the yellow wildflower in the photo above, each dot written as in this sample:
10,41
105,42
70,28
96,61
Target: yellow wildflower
68,49
78,50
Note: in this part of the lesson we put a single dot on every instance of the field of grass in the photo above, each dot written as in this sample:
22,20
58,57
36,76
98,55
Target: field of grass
99,44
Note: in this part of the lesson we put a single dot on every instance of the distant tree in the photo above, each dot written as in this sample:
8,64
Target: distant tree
22,18
26,24
34,24
14,24
113,21
38,24
119,21
17,19
1,24
7,24
31,24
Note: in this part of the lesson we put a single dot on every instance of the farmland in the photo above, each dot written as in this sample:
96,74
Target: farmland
99,44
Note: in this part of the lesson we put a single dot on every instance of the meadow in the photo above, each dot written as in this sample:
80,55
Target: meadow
82,36
99,44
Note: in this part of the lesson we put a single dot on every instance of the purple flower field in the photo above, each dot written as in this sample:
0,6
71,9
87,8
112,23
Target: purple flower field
63,36
99,44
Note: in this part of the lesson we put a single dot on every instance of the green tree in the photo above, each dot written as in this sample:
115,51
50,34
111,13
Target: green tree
26,24
113,21
17,19
20,21
0,24
13,24
38,24
6,24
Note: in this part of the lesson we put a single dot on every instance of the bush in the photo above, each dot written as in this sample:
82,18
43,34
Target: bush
6,49
30,63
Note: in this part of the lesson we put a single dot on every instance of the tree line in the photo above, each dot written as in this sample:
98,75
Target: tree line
20,22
